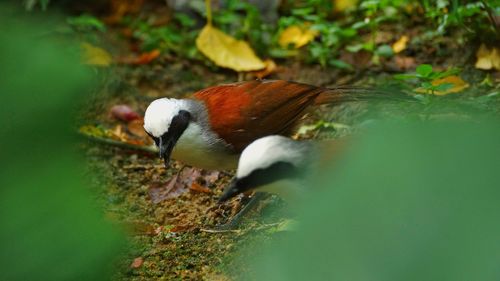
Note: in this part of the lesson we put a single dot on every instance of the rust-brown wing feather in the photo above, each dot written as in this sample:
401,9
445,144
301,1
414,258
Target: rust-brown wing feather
243,112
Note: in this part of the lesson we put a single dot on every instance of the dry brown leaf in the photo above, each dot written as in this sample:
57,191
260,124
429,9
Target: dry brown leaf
147,57
342,5
137,263
360,60
211,176
144,58
177,185
199,188
118,133
120,8
123,112
165,191
297,36
400,45
227,51
96,56
458,84
136,128
488,58
404,62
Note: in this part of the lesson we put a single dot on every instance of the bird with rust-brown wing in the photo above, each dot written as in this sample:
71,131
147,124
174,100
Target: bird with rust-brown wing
210,129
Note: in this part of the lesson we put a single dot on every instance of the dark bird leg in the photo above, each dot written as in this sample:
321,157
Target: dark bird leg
235,221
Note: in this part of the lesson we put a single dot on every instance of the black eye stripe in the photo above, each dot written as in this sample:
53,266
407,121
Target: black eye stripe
179,123
275,172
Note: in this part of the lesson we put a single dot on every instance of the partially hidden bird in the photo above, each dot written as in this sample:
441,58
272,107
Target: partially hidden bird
282,166
211,128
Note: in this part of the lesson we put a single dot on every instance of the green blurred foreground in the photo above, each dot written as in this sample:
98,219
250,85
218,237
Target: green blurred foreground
50,228
414,201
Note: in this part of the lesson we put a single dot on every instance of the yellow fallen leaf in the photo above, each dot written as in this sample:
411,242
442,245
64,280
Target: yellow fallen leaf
488,59
269,69
227,51
458,85
93,131
400,45
297,36
96,56
342,5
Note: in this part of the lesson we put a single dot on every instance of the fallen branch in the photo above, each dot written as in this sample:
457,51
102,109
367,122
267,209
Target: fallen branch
107,141
238,231
220,230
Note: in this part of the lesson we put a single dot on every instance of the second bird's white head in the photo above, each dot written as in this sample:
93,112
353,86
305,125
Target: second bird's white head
274,164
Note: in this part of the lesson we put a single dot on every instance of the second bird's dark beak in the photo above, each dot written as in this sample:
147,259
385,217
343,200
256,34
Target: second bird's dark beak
230,191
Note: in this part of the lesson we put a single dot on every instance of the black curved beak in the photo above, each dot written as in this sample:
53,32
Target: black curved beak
166,146
231,190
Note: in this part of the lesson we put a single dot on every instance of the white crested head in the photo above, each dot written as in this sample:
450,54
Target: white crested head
266,151
160,113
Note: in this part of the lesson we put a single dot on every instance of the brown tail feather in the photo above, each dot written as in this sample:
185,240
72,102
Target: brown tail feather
354,93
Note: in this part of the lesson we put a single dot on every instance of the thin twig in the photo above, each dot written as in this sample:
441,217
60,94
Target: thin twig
220,230
142,148
238,231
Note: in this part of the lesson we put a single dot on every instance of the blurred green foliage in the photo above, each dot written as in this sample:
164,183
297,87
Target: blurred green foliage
472,16
86,23
337,32
32,4
51,228
410,201
352,30
424,76
177,38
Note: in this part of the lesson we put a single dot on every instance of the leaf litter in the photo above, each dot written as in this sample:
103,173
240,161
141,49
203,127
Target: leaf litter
187,179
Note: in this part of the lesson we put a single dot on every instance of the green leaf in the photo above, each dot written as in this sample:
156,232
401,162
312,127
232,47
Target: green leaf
354,48
384,51
438,75
444,87
340,64
427,85
348,32
302,11
86,22
282,53
424,70
359,25
369,46
405,76
185,20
